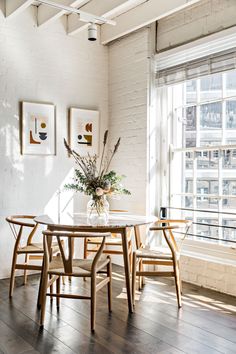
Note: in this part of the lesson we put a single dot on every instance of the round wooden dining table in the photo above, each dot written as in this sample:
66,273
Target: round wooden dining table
117,223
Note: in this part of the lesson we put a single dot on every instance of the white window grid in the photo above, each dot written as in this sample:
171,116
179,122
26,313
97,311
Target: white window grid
217,152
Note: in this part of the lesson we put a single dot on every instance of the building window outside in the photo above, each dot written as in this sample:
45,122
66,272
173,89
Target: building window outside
203,138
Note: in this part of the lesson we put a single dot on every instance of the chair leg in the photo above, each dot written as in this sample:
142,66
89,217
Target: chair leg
134,277
43,299
140,277
109,287
85,251
12,279
51,289
58,290
85,248
180,280
181,286
63,277
143,279
177,284
130,256
93,302
25,271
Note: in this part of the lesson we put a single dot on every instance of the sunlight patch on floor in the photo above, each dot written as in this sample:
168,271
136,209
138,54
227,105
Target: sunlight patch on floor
137,295
162,294
155,296
189,304
123,294
120,276
116,278
155,299
209,303
154,282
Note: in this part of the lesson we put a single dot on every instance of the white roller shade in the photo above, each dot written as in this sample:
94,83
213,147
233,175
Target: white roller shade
203,57
196,68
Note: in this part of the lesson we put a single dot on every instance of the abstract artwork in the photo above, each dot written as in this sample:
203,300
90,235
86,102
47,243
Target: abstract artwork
84,131
38,128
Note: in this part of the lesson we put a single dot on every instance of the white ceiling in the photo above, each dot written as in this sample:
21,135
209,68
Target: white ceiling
129,15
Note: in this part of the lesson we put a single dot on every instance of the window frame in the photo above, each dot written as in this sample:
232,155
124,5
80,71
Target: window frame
201,247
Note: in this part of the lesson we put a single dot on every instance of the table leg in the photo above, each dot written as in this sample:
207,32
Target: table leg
137,236
40,287
42,275
124,236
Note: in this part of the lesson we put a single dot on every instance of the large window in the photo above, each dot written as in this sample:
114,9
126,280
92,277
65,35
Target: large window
202,133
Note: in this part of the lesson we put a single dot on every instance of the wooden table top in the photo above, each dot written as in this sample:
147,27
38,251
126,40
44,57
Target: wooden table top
116,221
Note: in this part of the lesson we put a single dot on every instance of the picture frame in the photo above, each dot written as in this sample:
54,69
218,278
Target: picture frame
38,128
83,132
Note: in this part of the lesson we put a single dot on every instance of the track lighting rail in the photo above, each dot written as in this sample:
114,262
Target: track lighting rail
83,16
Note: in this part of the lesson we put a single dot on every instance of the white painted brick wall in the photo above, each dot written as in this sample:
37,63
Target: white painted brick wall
49,66
201,19
128,90
209,274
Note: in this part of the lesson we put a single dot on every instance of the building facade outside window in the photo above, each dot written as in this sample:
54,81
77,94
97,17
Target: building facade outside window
202,135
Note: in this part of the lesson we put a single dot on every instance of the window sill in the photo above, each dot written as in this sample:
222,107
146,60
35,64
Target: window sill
209,252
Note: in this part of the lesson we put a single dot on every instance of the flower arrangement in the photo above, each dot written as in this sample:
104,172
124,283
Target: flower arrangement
96,179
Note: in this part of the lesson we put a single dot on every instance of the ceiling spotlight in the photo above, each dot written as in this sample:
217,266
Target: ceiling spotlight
92,32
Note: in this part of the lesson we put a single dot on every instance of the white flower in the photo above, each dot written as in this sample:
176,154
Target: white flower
99,192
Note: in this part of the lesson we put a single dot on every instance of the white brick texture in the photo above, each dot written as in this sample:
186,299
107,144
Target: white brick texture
200,19
209,274
128,90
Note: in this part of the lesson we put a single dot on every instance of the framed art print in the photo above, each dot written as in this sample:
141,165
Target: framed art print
84,131
38,128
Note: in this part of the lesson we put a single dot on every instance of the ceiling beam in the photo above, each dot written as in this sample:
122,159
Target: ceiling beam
47,15
2,9
105,8
148,12
14,7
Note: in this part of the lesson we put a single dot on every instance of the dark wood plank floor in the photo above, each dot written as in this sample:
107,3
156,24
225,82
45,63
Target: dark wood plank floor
206,324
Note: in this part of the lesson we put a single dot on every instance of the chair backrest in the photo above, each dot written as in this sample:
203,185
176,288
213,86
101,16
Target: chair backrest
19,222
67,246
168,227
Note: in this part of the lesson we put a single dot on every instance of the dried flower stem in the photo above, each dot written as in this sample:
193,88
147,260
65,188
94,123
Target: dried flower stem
114,152
103,150
77,157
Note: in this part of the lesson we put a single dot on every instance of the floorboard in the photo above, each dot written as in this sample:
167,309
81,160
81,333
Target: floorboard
206,324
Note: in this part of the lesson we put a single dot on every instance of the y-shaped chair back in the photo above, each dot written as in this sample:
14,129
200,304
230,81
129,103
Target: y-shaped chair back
24,225
68,265
158,258
168,229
